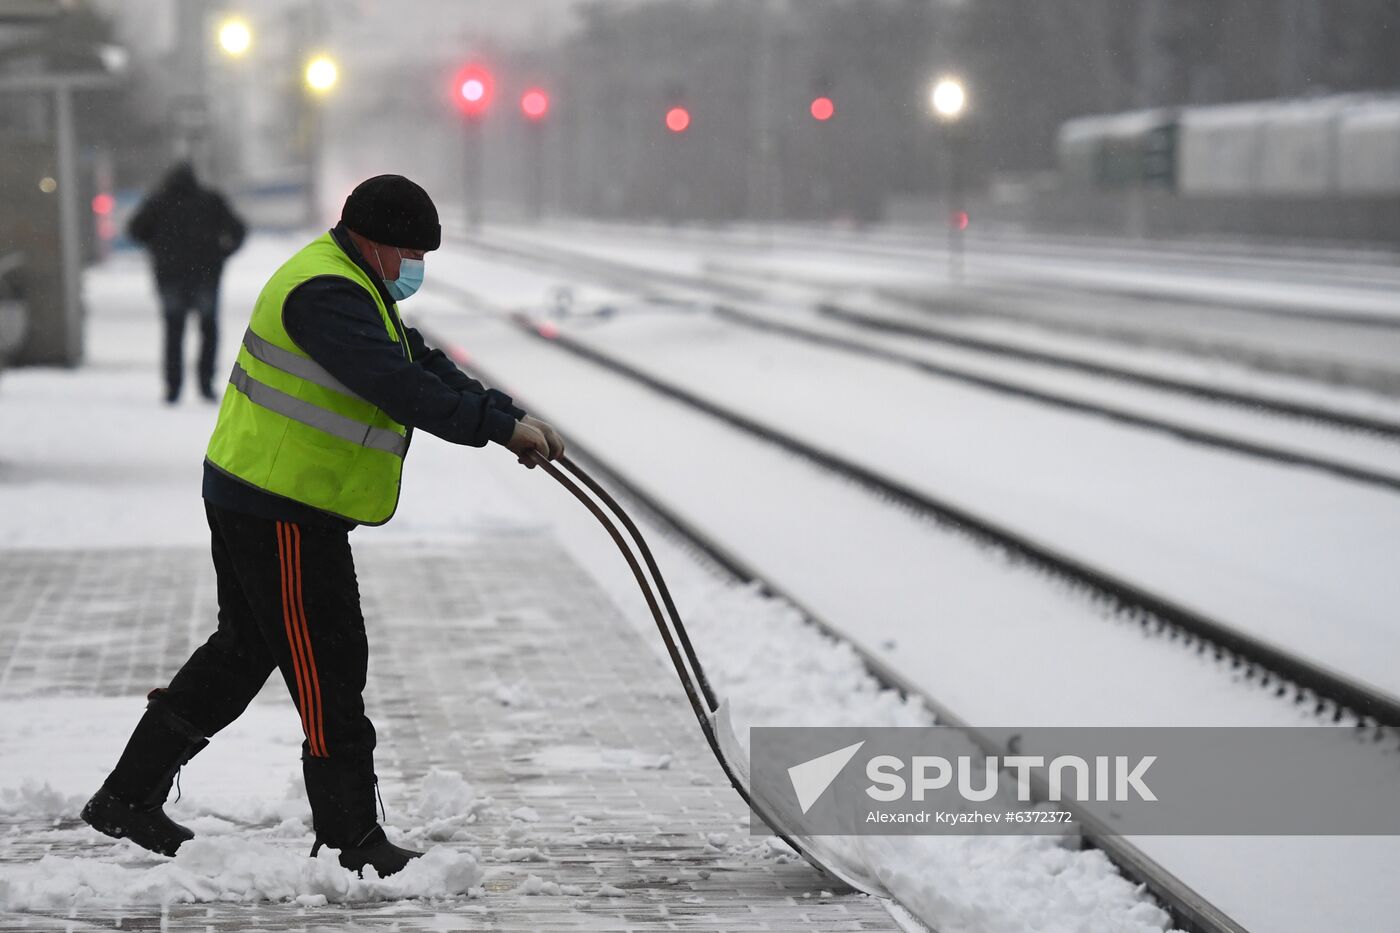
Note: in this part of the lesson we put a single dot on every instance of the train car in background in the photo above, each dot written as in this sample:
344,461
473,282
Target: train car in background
1120,150
1324,168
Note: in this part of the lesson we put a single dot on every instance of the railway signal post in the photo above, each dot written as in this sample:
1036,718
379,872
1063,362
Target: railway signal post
472,90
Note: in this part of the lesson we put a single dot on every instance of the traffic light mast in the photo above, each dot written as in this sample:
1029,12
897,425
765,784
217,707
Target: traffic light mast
534,105
473,88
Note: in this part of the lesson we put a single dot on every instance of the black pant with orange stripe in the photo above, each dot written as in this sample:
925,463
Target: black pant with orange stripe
289,600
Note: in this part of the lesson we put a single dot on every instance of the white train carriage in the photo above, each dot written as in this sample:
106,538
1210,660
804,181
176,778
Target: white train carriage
1368,150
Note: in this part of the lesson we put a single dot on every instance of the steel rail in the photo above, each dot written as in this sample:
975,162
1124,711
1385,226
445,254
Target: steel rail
1252,400
1186,432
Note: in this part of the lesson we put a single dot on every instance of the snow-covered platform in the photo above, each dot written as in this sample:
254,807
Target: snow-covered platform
523,723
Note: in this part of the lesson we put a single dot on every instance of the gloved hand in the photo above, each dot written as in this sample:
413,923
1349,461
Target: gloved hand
526,438
551,436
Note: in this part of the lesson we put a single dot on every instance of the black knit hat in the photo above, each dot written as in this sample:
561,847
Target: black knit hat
392,210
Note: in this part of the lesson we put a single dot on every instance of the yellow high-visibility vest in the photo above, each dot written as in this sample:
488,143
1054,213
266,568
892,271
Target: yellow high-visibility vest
288,427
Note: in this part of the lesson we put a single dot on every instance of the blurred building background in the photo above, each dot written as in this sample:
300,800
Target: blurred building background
794,110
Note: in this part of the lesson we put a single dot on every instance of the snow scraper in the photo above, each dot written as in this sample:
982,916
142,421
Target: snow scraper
712,713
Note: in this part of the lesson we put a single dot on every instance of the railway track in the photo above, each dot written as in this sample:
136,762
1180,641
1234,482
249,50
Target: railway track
1071,363
1370,378
1177,429
1331,694
731,293
1006,253
729,308
1189,911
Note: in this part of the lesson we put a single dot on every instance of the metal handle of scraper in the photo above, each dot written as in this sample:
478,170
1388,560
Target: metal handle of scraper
678,646
676,638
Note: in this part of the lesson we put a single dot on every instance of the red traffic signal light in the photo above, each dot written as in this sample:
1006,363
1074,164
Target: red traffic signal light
472,90
677,119
823,109
534,103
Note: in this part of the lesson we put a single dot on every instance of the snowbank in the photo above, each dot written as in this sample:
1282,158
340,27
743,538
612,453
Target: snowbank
227,869
778,670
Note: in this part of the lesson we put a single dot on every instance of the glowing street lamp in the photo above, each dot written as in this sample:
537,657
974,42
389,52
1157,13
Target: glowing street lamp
235,38
949,99
321,74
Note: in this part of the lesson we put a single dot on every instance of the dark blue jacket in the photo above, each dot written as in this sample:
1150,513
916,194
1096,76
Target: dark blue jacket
339,326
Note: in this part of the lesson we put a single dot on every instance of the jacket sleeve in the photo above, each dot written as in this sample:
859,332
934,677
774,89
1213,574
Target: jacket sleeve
232,229
339,327
440,364
142,225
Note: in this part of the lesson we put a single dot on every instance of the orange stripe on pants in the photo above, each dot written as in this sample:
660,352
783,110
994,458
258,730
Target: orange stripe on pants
316,716
284,559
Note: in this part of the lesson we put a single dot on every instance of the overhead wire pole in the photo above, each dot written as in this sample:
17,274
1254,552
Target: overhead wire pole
764,203
191,100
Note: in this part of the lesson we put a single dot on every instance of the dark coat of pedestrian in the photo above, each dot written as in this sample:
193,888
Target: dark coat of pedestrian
190,231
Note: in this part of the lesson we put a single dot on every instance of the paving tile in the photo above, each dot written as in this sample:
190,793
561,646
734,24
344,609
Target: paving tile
483,656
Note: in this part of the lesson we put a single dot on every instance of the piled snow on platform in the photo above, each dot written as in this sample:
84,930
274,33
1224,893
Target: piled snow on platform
223,869
777,669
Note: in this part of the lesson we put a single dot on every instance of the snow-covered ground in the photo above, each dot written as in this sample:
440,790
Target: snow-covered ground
998,289
95,461
1216,530
1233,536
935,617
1316,287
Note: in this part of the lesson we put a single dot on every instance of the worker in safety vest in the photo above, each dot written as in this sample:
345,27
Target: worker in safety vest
310,442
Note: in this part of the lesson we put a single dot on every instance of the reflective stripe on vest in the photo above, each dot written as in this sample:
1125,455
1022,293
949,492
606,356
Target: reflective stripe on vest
298,366
313,416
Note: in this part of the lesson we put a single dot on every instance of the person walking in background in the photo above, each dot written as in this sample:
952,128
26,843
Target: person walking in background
190,231
310,442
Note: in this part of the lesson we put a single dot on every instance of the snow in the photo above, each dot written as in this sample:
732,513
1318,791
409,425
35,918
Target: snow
1292,435
1320,287
221,869
1232,536
55,750
121,455
1049,657
97,462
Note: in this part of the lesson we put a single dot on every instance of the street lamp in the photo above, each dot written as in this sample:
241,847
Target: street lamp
321,74
235,37
948,97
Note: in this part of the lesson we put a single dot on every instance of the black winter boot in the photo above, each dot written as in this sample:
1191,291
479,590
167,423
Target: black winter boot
130,803
341,792
148,827
374,850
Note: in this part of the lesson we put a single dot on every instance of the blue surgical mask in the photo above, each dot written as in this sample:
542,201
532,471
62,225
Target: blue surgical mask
409,281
